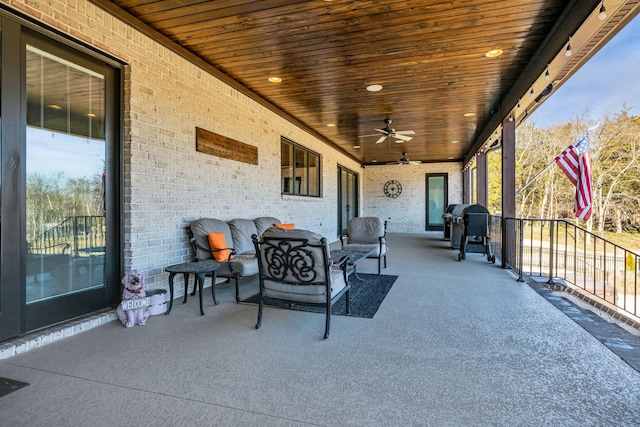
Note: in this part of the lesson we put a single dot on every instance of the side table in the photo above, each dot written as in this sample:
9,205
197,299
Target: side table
200,269
354,258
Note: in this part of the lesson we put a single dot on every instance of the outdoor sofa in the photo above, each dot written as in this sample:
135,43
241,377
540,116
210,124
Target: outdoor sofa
229,243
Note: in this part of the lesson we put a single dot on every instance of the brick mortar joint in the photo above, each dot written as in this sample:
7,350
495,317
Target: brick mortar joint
556,287
52,334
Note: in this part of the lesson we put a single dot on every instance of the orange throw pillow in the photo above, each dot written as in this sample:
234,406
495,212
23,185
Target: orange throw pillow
284,226
218,241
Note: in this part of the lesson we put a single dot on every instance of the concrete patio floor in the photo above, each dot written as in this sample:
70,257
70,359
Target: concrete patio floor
453,344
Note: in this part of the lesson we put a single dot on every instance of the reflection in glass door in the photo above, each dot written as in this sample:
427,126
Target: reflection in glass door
347,198
65,171
437,200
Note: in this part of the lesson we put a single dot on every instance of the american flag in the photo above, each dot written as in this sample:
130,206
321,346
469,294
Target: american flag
575,162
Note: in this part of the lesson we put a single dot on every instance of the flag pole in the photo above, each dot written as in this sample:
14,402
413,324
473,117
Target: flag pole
583,136
535,177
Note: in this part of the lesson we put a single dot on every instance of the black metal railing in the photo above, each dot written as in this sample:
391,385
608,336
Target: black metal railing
559,249
77,235
495,235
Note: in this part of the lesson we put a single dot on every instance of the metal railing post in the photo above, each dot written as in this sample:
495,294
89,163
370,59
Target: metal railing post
551,248
505,244
521,250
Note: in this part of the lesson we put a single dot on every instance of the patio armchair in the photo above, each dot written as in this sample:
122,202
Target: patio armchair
295,266
367,234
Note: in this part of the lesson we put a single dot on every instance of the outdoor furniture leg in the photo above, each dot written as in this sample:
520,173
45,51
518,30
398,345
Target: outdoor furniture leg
194,290
260,309
328,318
186,286
200,282
355,272
171,276
213,289
200,271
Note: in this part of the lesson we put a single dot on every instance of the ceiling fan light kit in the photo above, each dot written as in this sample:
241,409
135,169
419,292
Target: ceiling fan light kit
399,135
404,160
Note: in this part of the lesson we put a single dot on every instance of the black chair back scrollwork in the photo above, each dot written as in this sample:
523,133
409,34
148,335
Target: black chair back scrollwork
295,266
292,261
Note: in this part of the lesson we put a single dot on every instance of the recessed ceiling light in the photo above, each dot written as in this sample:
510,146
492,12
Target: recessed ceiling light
493,53
374,161
90,115
450,158
275,79
469,114
55,107
356,146
455,141
374,88
331,125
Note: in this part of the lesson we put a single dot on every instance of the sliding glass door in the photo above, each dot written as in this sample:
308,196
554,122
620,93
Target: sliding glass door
437,200
65,155
60,255
347,197
69,120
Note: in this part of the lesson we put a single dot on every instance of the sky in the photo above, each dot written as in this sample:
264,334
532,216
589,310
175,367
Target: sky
50,152
602,86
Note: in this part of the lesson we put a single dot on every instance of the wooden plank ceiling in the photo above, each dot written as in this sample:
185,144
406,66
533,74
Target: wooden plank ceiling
428,55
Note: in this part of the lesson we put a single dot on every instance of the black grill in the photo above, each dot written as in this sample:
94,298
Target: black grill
475,234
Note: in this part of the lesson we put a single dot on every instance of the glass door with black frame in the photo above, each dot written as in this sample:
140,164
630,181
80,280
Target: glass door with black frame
347,197
66,148
437,200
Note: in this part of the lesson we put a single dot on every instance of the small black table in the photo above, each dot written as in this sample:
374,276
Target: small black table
200,269
354,258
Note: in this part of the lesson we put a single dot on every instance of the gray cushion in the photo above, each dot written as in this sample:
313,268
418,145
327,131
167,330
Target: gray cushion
305,293
245,265
313,238
264,222
201,229
287,286
241,231
365,230
373,247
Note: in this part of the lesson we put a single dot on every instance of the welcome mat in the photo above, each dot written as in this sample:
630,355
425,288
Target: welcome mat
9,386
366,296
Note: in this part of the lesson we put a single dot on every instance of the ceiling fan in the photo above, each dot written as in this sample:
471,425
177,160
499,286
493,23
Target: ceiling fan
405,161
387,132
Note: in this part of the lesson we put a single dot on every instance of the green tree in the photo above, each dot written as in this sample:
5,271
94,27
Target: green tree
547,193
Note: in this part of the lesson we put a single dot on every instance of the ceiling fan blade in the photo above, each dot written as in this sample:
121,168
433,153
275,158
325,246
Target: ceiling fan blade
394,163
402,137
366,136
381,139
385,131
415,162
405,132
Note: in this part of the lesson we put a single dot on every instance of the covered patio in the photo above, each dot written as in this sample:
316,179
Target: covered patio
453,343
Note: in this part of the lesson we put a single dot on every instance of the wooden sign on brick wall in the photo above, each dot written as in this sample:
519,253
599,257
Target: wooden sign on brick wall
217,145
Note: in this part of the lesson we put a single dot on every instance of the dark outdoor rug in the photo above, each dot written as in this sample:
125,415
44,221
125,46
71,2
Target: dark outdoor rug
8,386
366,297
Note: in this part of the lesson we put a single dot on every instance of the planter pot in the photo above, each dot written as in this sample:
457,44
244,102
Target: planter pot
159,299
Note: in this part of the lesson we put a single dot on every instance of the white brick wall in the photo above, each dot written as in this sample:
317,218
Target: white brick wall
168,184
406,213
